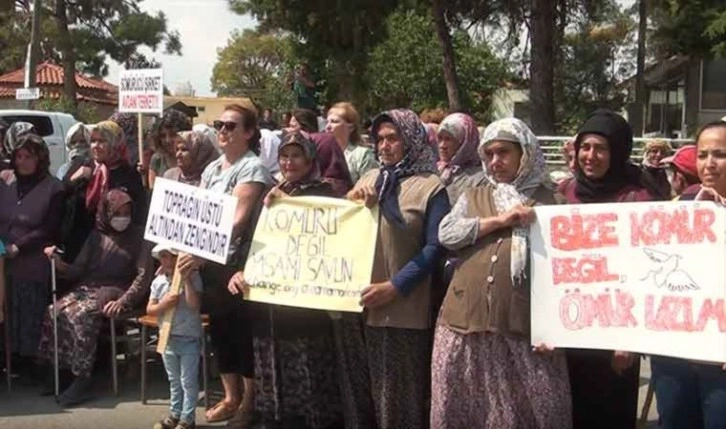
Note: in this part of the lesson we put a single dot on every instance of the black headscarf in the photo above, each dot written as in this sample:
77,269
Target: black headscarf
621,172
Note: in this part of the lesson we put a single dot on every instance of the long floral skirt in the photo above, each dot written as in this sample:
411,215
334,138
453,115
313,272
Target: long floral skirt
492,381
384,375
79,324
296,380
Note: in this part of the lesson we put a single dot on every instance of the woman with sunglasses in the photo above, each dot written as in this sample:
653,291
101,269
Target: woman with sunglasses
238,172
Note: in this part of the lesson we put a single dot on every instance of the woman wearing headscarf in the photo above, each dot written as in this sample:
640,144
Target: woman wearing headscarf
111,170
691,394
10,140
604,383
385,364
295,371
655,171
194,152
459,165
167,131
333,166
76,223
484,371
129,123
32,205
78,148
111,274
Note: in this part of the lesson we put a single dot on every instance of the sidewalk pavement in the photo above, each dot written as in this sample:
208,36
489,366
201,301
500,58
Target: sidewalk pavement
24,409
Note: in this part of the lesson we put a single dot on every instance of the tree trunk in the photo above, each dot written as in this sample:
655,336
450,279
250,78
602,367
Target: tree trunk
65,45
638,120
449,61
541,67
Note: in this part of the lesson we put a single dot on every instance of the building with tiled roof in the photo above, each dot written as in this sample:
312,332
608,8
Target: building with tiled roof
49,78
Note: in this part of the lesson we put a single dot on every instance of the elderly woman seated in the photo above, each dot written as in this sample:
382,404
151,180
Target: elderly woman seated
111,275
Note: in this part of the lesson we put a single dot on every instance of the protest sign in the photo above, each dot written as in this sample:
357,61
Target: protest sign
141,91
191,220
641,277
312,252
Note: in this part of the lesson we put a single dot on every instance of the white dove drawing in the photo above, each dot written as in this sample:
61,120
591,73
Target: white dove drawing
666,273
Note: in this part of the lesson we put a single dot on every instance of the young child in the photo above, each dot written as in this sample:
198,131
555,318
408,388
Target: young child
181,357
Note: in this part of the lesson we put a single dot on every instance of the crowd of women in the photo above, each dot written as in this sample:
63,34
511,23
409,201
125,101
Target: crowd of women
443,341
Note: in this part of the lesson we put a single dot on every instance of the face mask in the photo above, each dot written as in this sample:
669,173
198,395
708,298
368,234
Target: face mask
120,223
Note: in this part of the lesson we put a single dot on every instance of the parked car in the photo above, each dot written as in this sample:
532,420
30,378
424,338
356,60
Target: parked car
52,126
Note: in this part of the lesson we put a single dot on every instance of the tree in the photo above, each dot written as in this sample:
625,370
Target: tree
84,34
405,69
331,33
689,27
595,56
255,65
106,28
451,77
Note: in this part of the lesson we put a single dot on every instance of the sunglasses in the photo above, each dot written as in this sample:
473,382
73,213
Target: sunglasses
227,126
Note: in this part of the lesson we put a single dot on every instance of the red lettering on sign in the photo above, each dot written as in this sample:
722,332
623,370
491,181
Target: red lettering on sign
579,311
588,269
589,231
660,227
675,313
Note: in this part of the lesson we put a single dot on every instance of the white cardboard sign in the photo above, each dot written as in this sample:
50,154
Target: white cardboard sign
191,220
141,91
639,277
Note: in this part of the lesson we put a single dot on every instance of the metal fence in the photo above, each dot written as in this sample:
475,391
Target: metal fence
552,148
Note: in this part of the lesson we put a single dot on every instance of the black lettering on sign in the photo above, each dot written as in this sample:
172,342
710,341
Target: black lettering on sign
327,270
308,220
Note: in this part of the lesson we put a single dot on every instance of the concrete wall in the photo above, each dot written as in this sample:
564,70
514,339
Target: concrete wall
209,109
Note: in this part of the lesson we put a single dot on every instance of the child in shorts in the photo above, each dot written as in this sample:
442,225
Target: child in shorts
183,350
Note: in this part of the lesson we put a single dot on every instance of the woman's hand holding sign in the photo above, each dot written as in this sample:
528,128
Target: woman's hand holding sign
237,284
622,361
378,294
274,193
364,194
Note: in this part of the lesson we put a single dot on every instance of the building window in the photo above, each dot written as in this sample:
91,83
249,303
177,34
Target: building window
201,109
713,85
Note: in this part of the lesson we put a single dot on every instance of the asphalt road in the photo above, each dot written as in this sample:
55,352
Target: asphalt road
24,409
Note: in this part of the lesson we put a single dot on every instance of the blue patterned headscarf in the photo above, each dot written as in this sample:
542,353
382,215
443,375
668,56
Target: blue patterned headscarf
418,158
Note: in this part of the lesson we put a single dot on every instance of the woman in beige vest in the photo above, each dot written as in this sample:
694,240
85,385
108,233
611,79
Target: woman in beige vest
385,364
484,372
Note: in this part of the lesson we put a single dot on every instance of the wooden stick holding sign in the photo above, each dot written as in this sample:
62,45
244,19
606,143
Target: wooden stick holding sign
191,220
166,321
140,128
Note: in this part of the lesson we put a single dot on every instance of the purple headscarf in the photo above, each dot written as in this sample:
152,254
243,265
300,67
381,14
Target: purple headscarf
418,158
463,129
333,167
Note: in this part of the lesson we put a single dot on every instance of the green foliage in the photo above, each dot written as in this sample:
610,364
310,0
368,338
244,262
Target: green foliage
99,29
689,27
406,69
84,112
591,64
333,36
255,65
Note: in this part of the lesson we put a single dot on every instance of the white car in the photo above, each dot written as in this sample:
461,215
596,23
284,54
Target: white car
52,126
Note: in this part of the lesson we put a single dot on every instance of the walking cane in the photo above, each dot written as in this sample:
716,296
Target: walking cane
8,349
55,327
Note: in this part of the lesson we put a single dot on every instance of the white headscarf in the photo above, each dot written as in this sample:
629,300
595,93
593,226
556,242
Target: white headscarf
531,174
78,140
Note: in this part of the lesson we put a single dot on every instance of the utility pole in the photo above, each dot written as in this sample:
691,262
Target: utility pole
31,63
